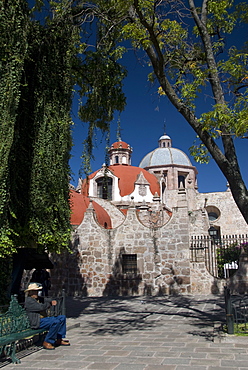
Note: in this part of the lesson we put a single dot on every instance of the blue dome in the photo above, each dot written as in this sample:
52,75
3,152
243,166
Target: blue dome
165,156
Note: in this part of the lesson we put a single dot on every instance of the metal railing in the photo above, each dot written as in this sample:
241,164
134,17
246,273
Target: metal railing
221,255
59,309
236,313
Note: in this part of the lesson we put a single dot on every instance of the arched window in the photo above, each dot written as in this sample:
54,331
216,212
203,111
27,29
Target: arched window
163,191
181,182
104,188
116,159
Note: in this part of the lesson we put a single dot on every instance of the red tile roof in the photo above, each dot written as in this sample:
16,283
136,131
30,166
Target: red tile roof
120,144
127,176
79,203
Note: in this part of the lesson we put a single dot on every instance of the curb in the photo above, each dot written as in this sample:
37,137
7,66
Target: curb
221,337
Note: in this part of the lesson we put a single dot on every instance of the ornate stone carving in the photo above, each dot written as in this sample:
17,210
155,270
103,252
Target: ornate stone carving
142,190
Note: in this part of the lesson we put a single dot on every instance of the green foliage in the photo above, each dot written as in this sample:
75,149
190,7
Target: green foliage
99,77
43,58
199,152
220,17
36,88
48,196
5,279
229,254
13,50
242,12
187,50
239,329
180,52
101,85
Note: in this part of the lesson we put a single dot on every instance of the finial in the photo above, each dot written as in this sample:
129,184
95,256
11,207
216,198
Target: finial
164,127
118,131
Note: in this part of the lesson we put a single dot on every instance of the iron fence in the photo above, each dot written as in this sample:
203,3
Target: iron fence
221,255
236,313
58,309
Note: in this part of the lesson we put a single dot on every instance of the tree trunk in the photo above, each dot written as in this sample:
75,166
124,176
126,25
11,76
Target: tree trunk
227,161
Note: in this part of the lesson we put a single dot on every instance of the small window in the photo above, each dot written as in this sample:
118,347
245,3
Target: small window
129,263
104,188
181,181
116,159
212,216
163,192
213,213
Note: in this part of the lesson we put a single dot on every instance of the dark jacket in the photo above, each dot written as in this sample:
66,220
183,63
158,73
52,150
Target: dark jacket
34,308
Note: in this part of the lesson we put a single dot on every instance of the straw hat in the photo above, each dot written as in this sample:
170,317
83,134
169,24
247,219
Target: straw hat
33,286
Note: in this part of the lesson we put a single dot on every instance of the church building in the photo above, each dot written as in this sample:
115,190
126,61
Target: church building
133,227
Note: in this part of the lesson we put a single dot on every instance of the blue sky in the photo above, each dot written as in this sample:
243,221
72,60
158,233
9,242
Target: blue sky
142,123
143,120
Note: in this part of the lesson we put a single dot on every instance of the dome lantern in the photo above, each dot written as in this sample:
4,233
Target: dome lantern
120,153
164,141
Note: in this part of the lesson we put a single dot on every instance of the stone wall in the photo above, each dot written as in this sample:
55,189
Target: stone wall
230,221
202,282
95,266
117,217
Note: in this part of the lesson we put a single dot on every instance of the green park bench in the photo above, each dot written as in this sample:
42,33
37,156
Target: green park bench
14,326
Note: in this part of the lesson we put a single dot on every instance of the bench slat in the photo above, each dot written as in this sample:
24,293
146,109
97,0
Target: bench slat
21,335
14,325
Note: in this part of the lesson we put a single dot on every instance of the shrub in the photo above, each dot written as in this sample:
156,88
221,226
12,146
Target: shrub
228,254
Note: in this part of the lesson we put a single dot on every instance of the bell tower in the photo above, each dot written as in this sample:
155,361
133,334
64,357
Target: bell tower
120,153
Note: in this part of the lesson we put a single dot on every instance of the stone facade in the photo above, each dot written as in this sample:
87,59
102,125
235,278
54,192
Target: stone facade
164,266
147,249
95,266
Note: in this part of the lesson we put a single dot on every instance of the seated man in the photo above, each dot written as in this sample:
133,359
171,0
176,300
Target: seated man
56,326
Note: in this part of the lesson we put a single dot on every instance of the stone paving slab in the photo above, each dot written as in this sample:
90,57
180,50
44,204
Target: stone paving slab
169,333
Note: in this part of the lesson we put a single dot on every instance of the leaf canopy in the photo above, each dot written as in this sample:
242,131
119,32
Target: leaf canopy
43,59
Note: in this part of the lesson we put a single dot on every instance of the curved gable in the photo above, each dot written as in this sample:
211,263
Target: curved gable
79,204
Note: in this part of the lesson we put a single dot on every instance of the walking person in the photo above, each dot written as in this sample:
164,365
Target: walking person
55,325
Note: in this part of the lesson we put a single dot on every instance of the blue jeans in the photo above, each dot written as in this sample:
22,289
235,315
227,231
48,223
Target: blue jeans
56,326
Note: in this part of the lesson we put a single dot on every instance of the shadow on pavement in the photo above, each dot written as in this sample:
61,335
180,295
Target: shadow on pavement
117,316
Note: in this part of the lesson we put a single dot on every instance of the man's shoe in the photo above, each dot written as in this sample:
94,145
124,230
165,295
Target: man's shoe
48,346
62,342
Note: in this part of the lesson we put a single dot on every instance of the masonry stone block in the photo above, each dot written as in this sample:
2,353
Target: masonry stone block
163,256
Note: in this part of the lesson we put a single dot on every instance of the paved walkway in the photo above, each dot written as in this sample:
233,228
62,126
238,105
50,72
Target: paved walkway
167,333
